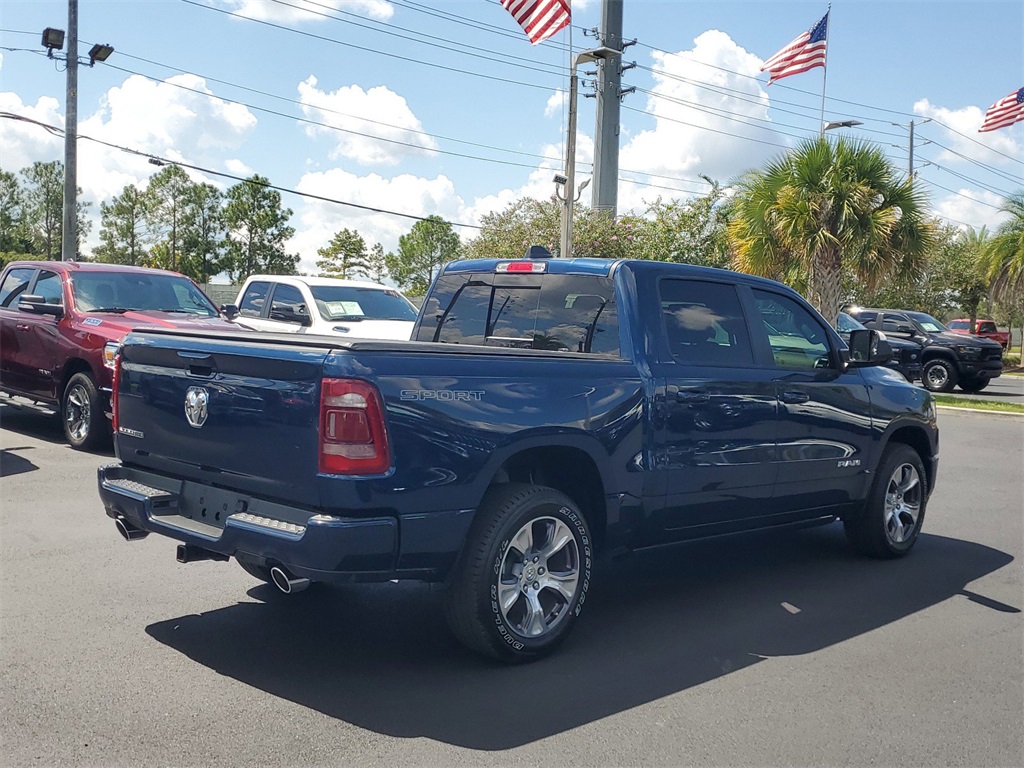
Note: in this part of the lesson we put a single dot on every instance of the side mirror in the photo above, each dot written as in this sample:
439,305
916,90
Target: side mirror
37,305
901,328
230,311
287,313
868,347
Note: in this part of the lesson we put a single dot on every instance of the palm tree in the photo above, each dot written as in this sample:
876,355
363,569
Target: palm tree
1003,258
824,207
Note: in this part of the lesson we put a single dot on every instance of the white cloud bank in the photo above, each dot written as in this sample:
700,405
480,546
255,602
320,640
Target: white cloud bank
306,10
359,138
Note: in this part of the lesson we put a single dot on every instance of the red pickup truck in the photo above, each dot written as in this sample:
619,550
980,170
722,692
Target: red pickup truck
61,324
984,328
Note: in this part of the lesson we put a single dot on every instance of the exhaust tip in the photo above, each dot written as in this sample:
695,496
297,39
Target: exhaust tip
129,531
285,582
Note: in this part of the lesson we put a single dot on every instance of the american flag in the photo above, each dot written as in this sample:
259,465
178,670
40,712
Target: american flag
804,53
1007,111
540,19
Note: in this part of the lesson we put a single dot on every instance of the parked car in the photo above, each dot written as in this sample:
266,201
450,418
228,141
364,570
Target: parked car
323,305
948,359
906,355
62,322
548,411
986,329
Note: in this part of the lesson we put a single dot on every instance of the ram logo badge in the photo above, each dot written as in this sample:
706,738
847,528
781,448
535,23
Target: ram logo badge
196,401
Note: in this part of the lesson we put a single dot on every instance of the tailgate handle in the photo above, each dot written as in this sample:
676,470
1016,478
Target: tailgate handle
199,364
692,396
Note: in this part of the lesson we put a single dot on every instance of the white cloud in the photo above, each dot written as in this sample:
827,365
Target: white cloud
307,10
977,208
24,142
556,103
690,99
989,147
238,168
392,120
317,221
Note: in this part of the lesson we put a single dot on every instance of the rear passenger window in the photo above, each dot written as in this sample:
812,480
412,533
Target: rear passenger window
704,323
287,305
14,286
253,300
797,339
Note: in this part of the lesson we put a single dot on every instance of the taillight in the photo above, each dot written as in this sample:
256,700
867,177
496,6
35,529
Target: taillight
114,389
353,439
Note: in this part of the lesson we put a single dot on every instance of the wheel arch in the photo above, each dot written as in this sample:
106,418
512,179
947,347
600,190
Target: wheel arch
71,367
570,469
916,437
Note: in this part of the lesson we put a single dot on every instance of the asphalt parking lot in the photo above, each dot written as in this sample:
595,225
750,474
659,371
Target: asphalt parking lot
780,649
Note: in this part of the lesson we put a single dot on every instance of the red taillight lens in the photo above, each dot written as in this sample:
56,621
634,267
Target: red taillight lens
115,387
353,439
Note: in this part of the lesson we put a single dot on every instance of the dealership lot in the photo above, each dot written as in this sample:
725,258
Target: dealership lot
730,652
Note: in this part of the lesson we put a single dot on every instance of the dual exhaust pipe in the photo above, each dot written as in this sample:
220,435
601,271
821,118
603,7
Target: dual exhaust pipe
281,578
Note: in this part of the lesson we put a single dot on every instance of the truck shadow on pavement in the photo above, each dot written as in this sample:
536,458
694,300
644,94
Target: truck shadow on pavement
380,656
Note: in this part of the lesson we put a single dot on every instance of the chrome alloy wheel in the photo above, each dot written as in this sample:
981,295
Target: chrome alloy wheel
539,577
78,412
903,503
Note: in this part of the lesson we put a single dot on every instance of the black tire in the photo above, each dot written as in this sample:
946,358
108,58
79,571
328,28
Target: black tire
873,530
85,424
260,572
493,556
973,385
939,375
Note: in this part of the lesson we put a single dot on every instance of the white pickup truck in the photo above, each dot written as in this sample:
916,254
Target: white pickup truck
323,306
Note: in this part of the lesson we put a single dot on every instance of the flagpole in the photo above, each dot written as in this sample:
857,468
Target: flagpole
824,71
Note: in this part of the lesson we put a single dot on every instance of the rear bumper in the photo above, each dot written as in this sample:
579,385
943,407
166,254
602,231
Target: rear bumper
311,545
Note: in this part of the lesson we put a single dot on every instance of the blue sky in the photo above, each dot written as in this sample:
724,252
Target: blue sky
474,114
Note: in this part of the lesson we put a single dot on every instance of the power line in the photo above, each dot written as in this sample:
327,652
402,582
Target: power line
960,194
326,39
166,161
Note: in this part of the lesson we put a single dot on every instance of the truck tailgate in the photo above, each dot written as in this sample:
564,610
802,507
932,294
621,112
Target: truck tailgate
261,400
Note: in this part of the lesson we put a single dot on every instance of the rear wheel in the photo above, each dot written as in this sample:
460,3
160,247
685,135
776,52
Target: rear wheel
523,576
891,519
85,424
939,375
973,385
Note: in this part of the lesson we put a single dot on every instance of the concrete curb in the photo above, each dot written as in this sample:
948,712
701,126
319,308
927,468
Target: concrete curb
978,410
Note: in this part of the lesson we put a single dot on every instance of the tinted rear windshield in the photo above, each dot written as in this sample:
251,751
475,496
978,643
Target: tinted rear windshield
564,313
346,302
145,291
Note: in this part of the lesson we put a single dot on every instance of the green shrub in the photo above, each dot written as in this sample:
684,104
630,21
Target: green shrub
1011,361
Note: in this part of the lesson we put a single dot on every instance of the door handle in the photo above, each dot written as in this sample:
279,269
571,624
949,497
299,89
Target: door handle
22,326
691,396
794,397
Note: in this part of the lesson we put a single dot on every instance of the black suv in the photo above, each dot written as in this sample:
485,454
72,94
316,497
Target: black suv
947,358
906,355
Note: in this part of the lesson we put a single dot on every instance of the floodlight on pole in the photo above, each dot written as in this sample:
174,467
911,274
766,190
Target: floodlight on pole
99,52
571,194
53,40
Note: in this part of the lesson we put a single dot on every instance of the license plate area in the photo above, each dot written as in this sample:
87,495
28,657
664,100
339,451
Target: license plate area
205,504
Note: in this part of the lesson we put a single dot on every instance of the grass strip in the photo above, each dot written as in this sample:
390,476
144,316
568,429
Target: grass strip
978,405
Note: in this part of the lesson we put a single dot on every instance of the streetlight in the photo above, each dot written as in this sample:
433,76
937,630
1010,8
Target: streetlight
569,185
53,39
839,124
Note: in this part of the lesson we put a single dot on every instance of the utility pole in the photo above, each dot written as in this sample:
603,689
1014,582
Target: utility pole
69,232
910,162
606,134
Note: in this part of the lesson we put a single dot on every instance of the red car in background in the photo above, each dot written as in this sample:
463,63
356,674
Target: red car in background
61,324
984,328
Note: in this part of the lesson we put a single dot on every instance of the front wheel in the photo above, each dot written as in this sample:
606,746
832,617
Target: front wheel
939,375
890,521
974,385
523,576
85,425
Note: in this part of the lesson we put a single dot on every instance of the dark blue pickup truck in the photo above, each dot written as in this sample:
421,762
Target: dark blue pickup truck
547,412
